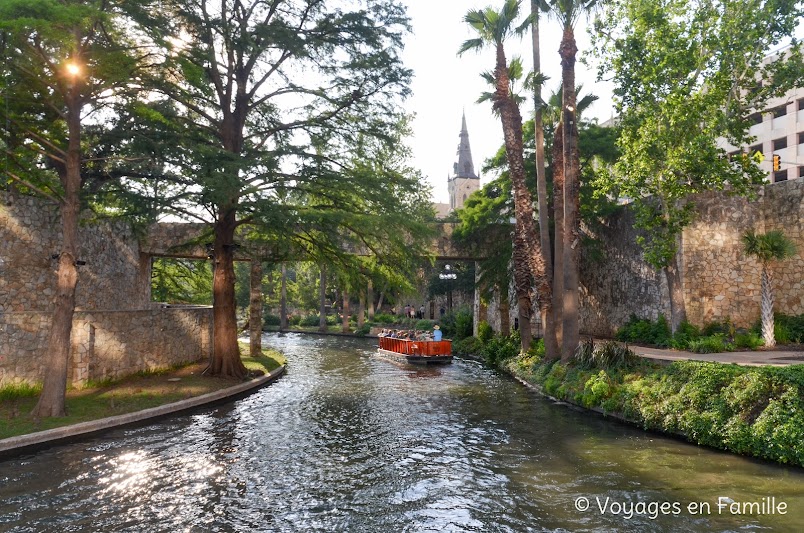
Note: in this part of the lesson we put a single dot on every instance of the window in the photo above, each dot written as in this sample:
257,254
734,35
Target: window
779,176
801,172
801,104
780,143
779,111
801,137
754,149
756,118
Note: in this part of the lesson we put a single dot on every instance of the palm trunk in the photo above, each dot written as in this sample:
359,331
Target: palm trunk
255,309
522,287
767,307
558,255
54,388
226,352
571,337
523,200
549,323
505,311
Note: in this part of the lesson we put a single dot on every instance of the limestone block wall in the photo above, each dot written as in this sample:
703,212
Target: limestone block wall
107,343
784,210
719,280
115,275
615,279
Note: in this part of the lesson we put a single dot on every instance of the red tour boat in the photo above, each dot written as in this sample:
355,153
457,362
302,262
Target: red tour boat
416,352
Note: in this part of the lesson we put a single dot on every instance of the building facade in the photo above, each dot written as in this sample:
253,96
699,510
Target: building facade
779,133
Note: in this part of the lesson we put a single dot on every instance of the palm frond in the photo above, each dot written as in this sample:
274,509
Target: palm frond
476,44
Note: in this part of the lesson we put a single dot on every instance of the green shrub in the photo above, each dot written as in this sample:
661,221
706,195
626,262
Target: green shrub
19,391
385,318
645,331
607,355
270,320
467,346
500,348
712,344
294,320
424,324
363,330
464,321
484,331
749,340
793,326
309,321
757,411
685,333
332,320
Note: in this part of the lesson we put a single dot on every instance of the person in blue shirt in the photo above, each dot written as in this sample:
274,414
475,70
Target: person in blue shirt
437,333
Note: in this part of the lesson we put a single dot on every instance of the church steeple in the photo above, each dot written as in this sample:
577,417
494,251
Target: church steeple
464,168
464,181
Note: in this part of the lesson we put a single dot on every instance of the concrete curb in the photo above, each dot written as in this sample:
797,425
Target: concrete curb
15,445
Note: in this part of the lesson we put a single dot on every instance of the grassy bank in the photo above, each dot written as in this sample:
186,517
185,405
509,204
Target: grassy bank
756,411
99,400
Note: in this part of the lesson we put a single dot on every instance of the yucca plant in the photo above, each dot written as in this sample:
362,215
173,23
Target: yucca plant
768,247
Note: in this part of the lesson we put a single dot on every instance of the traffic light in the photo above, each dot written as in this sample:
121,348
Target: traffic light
777,162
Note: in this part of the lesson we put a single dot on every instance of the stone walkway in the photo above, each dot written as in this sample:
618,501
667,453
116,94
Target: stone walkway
757,358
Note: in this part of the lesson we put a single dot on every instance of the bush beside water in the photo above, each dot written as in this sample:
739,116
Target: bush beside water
756,411
713,338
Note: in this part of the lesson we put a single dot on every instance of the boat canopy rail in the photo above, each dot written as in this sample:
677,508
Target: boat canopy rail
412,347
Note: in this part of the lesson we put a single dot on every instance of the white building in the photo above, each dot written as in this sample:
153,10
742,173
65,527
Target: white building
779,131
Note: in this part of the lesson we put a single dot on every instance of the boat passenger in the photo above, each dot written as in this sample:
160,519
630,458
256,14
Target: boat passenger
437,334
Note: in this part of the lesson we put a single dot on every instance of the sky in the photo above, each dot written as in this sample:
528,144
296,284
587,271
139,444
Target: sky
446,85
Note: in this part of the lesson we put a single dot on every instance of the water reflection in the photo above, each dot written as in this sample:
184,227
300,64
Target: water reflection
351,442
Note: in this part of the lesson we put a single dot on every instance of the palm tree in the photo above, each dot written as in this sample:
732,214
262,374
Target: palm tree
541,180
568,12
772,246
493,29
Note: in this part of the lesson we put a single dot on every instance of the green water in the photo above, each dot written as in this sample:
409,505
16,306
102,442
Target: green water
347,441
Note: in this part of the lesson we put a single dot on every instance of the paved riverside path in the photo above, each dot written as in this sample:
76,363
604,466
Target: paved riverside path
755,358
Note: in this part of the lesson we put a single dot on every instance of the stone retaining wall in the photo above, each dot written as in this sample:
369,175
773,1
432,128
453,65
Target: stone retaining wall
106,344
720,281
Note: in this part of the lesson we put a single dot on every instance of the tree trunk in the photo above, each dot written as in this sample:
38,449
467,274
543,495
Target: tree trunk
767,307
505,312
548,314
370,299
226,352
54,388
522,287
361,310
558,253
675,286
380,301
523,200
283,300
255,309
345,317
572,237
322,299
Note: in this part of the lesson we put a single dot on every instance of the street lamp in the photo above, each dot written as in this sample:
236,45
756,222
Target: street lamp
449,276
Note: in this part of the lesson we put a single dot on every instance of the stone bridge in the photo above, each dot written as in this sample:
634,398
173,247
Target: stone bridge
191,241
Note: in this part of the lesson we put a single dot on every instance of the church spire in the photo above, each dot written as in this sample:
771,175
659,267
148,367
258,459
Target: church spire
464,168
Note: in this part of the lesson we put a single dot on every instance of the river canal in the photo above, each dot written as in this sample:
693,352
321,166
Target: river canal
350,442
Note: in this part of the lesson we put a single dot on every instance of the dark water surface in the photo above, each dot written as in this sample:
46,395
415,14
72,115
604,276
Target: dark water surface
350,442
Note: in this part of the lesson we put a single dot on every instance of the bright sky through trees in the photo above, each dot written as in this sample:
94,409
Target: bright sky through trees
445,85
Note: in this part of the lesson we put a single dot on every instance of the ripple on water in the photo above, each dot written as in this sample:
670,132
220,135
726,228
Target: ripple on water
350,442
